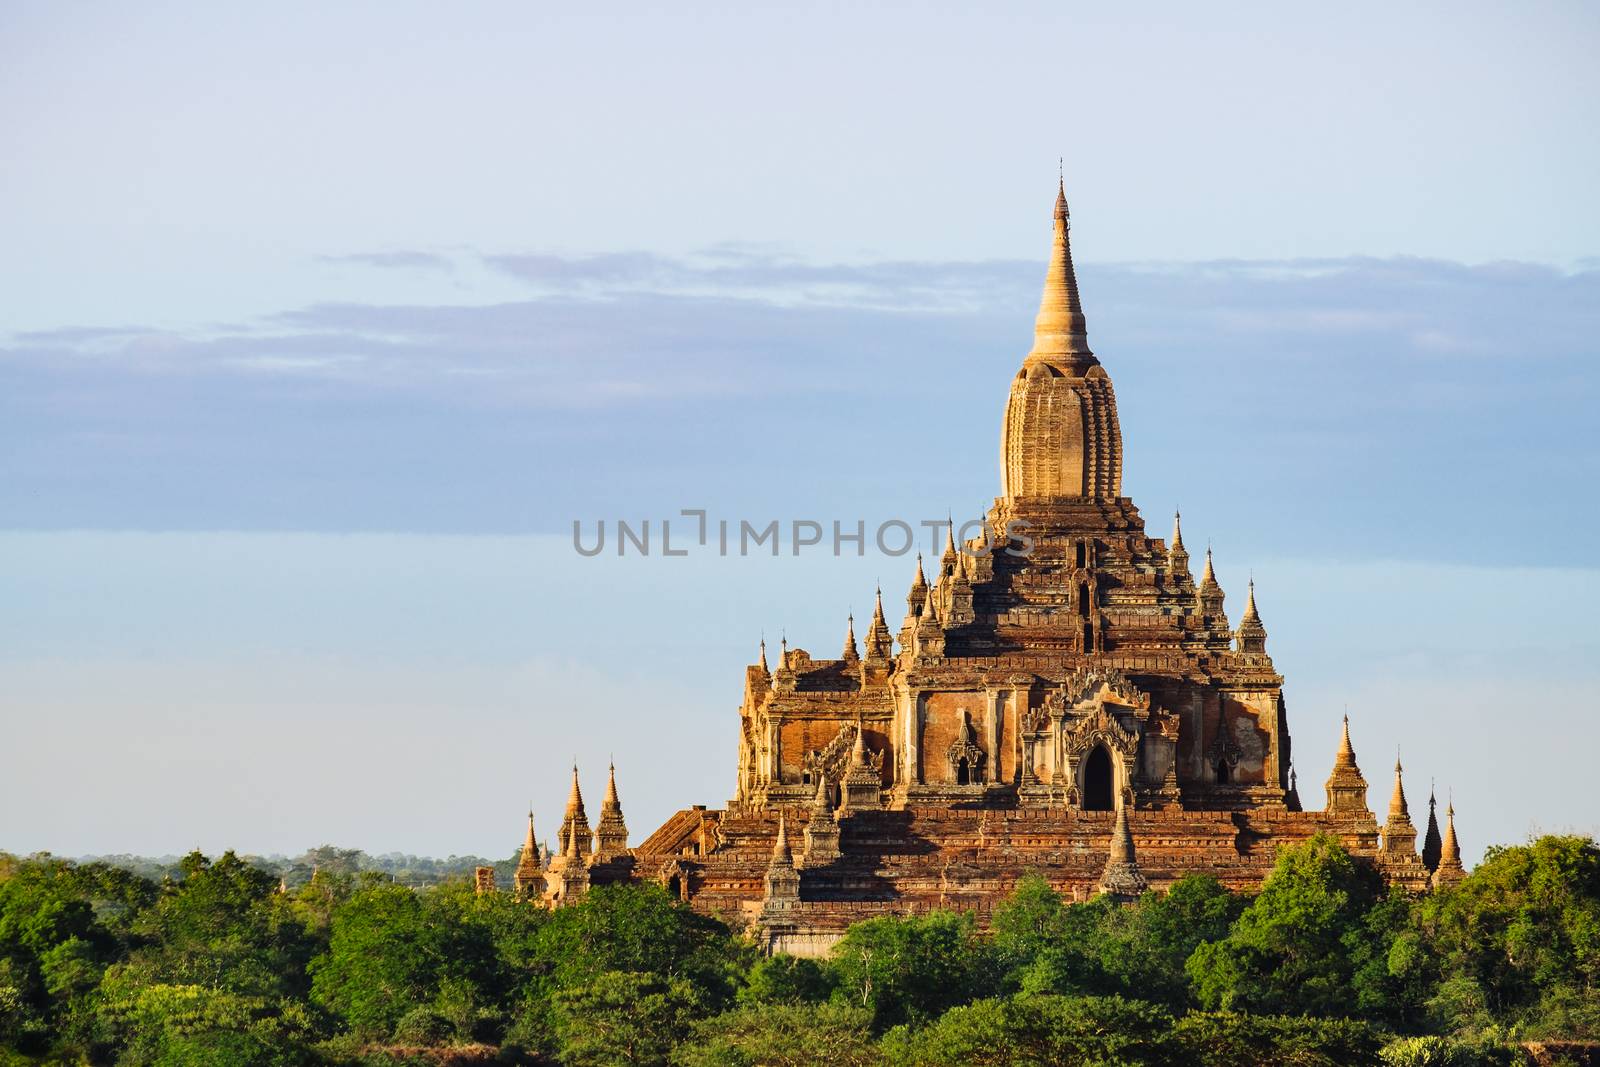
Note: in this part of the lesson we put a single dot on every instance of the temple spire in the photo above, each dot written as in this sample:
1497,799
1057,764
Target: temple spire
1347,788
1399,835
1450,870
528,881
1209,595
574,831
764,668
1122,878
1346,756
782,881
1432,847
611,835
1177,555
880,645
1251,636
1060,337
850,652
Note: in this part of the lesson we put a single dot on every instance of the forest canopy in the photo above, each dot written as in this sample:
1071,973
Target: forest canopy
224,961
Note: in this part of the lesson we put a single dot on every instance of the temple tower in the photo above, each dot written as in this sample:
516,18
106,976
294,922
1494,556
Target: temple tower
1432,847
528,881
1122,878
821,834
574,837
612,833
1399,834
1060,436
1450,870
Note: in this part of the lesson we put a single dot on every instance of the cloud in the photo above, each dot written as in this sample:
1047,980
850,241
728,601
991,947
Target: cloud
1362,405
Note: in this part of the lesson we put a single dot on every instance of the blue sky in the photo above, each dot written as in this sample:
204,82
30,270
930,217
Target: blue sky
322,326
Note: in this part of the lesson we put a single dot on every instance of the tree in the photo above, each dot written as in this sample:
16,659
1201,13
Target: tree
1519,940
1231,1039
1140,949
643,930
1291,949
783,979
383,960
1027,1029
907,969
624,1017
782,1035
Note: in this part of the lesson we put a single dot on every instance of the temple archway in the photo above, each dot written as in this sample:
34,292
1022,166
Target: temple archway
1098,780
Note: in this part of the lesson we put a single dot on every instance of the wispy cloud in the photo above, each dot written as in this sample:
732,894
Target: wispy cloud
1423,388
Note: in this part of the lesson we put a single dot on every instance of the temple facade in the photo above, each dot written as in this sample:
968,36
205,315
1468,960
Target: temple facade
1061,696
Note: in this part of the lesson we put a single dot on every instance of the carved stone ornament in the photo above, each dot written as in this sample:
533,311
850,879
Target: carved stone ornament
1224,749
965,748
1100,725
1085,682
834,758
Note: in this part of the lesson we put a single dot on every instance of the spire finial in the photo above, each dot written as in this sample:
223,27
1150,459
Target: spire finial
1060,337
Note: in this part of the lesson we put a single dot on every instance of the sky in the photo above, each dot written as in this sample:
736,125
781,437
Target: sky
323,324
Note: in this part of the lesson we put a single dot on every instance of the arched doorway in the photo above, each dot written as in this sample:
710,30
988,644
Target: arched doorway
1097,780
963,772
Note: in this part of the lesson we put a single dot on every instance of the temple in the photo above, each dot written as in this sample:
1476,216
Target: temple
1062,696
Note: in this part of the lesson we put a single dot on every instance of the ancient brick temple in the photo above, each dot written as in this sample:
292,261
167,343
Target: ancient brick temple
1067,700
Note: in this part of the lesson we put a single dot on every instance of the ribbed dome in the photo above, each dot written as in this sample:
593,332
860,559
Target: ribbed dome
1060,437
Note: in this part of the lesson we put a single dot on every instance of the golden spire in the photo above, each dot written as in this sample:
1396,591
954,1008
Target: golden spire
850,652
1177,529
1251,636
575,797
1450,870
1397,802
1346,756
1060,337
764,668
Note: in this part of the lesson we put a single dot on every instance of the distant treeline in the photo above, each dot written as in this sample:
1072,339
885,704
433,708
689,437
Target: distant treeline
296,871
213,964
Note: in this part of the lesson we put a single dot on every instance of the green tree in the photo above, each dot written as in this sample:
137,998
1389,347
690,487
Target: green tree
624,1017
1291,949
1027,1030
1519,940
906,969
1140,949
383,960
783,979
782,1035
1231,1039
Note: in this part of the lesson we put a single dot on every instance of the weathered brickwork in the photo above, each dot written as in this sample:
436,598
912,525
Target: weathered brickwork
1072,702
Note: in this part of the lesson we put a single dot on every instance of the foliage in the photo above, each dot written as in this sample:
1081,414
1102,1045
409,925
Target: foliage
624,1017
1519,939
218,963
1294,948
905,969
782,979
1040,1029
1232,1039
776,1034
1435,1051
